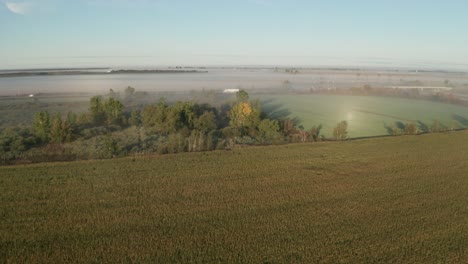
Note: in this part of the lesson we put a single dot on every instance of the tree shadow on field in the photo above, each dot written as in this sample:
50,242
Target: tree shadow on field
423,127
400,125
396,128
388,128
460,119
268,101
297,122
274,110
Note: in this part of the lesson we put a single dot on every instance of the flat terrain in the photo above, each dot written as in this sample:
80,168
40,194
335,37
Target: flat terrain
19,111
220,79
392,200
366,115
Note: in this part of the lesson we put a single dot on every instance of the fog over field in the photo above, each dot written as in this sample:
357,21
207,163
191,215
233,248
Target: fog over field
247,131
226,78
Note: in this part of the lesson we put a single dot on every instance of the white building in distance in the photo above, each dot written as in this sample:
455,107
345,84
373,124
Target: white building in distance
231,90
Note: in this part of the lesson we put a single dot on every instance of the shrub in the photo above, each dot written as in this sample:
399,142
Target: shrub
340,132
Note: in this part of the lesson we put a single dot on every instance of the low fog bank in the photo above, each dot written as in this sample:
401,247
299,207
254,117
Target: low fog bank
234,78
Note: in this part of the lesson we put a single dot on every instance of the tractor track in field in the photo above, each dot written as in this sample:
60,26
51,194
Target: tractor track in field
385,115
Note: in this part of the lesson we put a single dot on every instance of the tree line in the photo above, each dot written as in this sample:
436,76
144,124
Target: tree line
114,127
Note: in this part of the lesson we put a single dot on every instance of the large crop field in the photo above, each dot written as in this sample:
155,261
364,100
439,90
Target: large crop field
392,200
366,115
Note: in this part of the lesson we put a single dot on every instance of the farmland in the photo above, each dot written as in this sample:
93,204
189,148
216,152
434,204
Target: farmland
394,199
19,111
366,115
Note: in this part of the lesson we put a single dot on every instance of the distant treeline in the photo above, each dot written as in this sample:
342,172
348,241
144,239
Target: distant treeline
84,72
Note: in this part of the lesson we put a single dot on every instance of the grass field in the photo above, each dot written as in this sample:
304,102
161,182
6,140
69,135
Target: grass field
19,111
366,115
392,200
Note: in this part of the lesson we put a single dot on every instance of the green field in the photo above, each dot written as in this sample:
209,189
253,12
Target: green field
391,200
19,111
366,115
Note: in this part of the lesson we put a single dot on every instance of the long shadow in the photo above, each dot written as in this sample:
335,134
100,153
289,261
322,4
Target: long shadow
365,137
397,128
422,127
297,121
268,101
378,136
274,110
460,119
400,125
389,129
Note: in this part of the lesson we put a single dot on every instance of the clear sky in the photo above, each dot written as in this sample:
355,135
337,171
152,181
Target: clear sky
62,33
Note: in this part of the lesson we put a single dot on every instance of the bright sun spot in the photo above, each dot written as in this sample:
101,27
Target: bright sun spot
349,116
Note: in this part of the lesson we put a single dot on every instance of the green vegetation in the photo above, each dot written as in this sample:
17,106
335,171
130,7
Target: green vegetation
109,129
134,123
391,200
20,111
366,115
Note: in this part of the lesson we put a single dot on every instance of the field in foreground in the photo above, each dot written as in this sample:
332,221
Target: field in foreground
396,199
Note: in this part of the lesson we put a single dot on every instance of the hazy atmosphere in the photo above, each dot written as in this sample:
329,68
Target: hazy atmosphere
122,33
241,131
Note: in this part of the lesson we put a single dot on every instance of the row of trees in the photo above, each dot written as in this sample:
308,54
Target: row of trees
411,128
110,128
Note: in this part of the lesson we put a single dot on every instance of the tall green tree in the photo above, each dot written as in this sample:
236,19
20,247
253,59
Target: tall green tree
135,118
206,122
113,110
72,118
153,117
97,111
180,115
268,130
61,131
56,132
41,125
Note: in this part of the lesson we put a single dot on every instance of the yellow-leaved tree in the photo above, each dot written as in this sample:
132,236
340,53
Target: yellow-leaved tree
244,114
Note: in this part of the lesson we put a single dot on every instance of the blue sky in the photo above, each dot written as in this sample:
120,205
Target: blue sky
62,33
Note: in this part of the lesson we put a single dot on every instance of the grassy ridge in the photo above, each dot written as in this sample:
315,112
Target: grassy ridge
396,199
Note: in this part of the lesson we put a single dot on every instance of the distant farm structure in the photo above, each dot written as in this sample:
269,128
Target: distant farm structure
231,90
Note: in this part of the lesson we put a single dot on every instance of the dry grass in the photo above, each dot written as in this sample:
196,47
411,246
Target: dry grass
398,199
